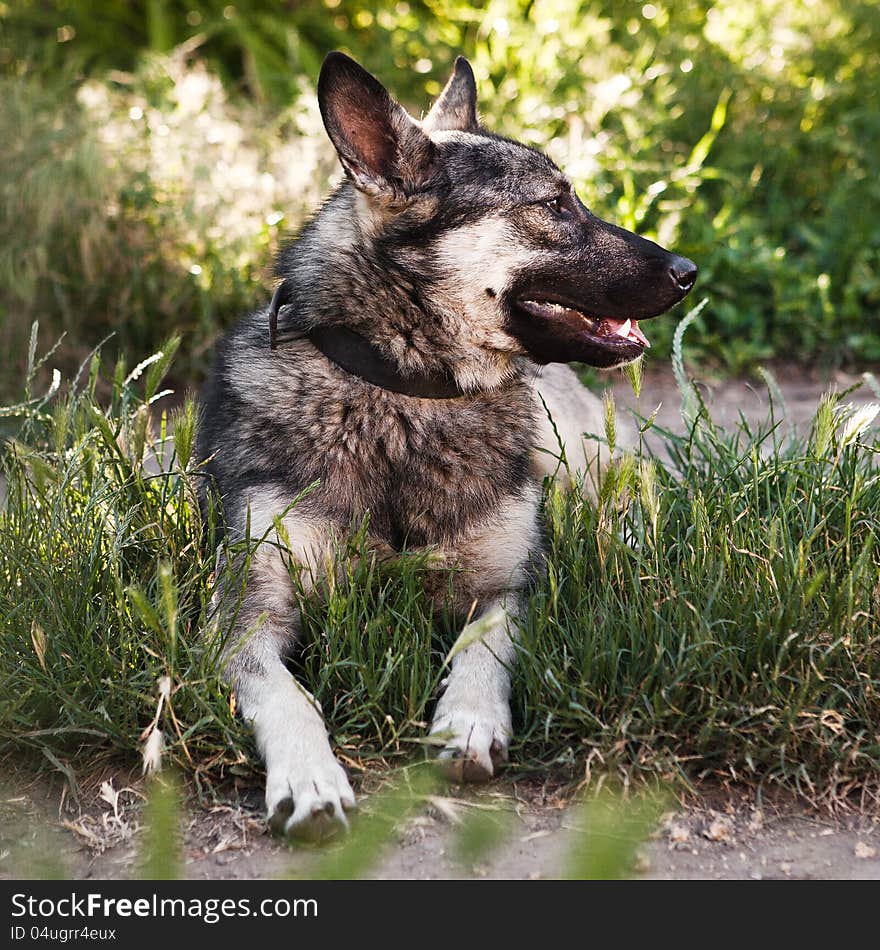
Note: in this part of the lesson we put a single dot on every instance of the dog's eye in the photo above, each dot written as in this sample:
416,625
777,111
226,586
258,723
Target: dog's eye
559,205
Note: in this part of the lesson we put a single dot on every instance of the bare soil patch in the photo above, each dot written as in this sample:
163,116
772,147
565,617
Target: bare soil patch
728,399
720,834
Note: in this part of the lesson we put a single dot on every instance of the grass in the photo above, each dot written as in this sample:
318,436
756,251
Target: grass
713,615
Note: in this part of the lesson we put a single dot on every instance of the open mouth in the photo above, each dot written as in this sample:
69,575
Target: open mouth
604,331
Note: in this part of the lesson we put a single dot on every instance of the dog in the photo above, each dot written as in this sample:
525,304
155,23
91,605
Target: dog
397,372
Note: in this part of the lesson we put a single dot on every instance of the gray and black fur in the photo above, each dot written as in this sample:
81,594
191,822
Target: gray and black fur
448,253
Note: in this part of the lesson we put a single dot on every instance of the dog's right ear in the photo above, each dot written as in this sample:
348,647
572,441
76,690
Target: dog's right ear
381,148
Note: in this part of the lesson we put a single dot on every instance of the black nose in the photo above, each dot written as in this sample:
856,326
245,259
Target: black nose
683,273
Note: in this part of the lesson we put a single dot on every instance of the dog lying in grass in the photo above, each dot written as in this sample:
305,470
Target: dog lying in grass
396,370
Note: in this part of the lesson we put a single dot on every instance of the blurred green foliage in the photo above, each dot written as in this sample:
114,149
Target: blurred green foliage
161,857
745,134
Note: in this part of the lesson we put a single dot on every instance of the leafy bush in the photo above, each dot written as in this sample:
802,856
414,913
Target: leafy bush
745,135
146,208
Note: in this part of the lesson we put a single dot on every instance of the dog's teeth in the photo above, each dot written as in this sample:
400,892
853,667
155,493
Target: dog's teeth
636,334
623,330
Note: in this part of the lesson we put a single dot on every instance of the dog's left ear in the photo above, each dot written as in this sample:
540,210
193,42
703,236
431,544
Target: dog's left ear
382,149
456,109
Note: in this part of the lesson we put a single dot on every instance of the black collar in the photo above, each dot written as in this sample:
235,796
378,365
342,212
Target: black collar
356,355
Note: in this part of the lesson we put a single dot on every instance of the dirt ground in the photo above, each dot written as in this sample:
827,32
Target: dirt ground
727,398
726,834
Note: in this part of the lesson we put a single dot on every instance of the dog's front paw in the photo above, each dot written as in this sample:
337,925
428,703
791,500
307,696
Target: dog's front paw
475,738
308,797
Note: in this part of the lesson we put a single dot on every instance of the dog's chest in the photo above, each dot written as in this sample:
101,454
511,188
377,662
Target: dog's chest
425,471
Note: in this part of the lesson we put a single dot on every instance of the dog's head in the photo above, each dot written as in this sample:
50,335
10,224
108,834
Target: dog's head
493,226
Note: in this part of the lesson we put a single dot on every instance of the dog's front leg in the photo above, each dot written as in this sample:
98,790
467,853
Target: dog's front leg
473,714
307,791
